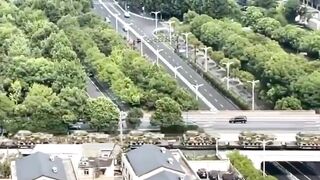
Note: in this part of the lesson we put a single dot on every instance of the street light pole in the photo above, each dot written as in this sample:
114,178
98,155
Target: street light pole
122,115
264,153
176,71
253,82
206,58
187,48
127,25
156,18
196,86
158,54
141,45
117,22
170,31
217,146
228,73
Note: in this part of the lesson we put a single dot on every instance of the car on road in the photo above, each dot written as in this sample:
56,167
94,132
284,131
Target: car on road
138,40
108,20
238,119
126,14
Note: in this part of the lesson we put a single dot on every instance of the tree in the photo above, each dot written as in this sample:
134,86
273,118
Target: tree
134,117
291,9
5,169
288,103
6,106
267,4
167,113
102,114
251,16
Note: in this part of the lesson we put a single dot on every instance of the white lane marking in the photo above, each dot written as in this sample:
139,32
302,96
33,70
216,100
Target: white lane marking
215,100
298,171
205,90
210,95
169,56
221,105
190,76
186,71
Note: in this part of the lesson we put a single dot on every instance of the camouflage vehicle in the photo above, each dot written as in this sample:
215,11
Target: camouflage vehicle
307,140
98,137
7,143
22,138
247,138
138,138
195,138
79,137
27,138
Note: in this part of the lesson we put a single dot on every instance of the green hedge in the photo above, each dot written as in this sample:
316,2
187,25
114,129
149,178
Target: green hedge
220,86
178,129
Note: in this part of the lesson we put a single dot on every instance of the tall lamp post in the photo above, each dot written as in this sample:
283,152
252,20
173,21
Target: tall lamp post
206,58
141,45
127,25
264,154
253,83
122,115
158,54
170,30
228,73
187,48
176,71
156,18
217,145
196,86
116,16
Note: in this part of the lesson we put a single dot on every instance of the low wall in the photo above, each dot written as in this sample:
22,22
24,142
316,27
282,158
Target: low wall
217,165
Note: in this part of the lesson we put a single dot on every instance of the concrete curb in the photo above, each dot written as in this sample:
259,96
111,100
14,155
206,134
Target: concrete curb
134,14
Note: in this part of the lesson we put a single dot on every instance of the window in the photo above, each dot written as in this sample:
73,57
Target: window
86,171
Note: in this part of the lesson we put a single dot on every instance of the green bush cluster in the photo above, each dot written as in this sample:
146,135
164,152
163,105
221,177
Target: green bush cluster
245,166
281,74
292,36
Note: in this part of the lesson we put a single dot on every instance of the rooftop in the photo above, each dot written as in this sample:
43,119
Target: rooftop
40,164
150,157
167,175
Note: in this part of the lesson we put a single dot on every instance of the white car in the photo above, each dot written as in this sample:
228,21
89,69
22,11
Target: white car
108,20
126,14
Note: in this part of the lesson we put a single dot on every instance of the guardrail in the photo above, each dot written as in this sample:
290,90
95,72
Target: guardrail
182,78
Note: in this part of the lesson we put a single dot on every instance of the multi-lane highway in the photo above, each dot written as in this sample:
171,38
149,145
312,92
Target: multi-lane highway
146,27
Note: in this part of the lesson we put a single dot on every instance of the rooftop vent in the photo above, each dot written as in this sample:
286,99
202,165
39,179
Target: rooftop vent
51,158
181,178
54,169
170,160
163,150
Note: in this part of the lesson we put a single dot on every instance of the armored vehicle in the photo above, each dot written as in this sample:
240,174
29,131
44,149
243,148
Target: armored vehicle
253,139
195,138
98,137
306,140
138,138
79,137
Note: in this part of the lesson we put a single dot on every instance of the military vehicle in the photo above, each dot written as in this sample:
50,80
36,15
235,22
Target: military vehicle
78,137
195,138
138,138
308,140
253,139
29,139
98,137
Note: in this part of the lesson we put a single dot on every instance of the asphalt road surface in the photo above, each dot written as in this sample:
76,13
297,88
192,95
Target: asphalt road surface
300,170
92,90
271,169
145,27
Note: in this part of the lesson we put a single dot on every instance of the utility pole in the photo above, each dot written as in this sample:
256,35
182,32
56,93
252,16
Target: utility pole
228,73
206,58
187,48
122,115
156,18
117,15
141,45
158,54
127,25
253,83
217,146
176,71
264,156
196,86
170,30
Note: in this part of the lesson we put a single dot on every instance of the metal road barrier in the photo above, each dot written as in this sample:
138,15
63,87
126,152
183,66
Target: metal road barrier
183,79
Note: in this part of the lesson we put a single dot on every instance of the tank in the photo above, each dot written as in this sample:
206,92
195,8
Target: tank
195,138
138,138
247,138
79,137
98,137
308,140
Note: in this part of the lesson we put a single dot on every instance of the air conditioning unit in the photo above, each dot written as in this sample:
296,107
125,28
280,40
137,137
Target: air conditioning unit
54,169
170,160
51,158
163,150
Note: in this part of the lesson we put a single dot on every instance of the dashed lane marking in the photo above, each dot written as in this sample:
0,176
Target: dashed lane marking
215,100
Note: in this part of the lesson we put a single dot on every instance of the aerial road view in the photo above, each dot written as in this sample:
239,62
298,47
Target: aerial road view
160,90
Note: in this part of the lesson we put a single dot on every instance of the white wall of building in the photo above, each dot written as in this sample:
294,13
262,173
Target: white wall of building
218,165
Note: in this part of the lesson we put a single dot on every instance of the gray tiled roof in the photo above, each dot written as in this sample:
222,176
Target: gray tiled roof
164,175
39,164
149,157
